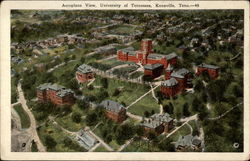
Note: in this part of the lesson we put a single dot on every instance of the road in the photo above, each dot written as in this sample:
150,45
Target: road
32,129
99,139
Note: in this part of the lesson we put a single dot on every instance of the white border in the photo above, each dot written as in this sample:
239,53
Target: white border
6,6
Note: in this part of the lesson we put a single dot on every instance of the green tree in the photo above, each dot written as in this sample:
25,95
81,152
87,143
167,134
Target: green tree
50,142
91,119
104,82
76,117
186,112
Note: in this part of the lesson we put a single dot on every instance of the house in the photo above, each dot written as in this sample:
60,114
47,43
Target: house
85,140
153,70
84,73
211,70
114,110
106,50
145,55
151,125
56,94
188,142
170,88
165,119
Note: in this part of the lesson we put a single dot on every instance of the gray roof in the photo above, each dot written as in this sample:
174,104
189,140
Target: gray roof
84,69
170,82
171,56
151,123
156,56
85,140
152,66
188,140
61,90
129,50
112,106
180,73
162,117
203,65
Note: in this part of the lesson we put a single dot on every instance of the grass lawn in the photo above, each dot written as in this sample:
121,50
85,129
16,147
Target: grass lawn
25,120
114,144
141,146
184,130
100,149
67,123
148,103
123,30
58,135
136,75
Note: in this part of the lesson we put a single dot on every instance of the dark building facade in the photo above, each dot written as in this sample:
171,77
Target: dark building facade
212,70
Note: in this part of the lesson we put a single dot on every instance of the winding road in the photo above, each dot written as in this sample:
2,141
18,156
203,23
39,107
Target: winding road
32,129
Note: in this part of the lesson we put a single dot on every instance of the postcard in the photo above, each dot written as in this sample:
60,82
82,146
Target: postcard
125,80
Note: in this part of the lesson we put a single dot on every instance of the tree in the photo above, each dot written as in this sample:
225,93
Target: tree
186,112
76,117
146,114
167,145
83,105
91,119
50,142
104,82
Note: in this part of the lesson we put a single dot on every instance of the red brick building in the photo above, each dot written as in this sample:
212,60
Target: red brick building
145,55
170,88
114,110
166,120
151,125
176,82
56,94
212,71
84,73
153,70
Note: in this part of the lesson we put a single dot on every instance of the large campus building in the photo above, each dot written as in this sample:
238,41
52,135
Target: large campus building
176,81
114,110
145,55
84,73
211,70
56,94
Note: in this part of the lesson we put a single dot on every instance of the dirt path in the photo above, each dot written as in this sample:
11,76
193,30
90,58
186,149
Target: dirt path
218,117
126,144
99,139
32,129
137,100
92,81
133,116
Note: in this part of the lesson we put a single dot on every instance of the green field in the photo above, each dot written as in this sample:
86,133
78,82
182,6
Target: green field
100,149
25,120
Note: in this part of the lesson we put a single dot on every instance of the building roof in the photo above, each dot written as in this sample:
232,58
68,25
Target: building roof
203,65
156,56
86,140
84,69
171,56
188,141
112,106
151,123
170,82
152,66
162,117
146,39
61,91
180,73
129,50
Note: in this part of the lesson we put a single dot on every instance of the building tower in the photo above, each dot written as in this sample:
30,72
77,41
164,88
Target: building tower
168,72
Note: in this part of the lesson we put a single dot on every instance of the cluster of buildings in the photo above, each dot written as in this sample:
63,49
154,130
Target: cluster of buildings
188,142
50,42
85,139
55,94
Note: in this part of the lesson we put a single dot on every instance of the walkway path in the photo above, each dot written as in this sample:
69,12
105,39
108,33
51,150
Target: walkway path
117,67
218,117
126,144
142,97
133,116
94,147
32,128
92,81
99,139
